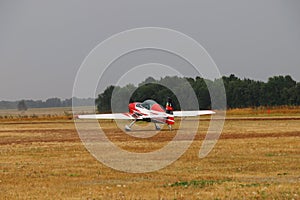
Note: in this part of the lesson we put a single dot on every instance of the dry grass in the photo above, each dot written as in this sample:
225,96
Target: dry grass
253,159
40,113
36,111
266,111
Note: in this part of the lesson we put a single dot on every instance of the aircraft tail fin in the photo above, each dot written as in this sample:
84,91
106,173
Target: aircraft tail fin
169,106
169,110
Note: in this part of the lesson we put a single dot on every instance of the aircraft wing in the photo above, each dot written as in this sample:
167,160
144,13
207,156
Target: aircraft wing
152,115
107,116
192,113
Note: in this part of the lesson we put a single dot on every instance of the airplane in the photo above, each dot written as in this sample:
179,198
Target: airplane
149,111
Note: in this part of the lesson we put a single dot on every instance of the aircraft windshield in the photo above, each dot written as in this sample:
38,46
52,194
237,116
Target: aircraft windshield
148,104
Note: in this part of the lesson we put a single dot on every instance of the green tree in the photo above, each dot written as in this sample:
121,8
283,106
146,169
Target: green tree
278,90
240,93
103,101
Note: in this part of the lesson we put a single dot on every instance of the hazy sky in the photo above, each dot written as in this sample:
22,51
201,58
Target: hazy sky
43,43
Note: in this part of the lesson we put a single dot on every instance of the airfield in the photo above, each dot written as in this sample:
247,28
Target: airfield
256,157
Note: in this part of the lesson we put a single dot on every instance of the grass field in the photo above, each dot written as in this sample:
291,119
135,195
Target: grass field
256,157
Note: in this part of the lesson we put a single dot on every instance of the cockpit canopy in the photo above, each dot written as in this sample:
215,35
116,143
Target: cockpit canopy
148,104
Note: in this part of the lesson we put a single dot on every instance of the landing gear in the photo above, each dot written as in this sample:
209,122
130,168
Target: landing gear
157,127
128,127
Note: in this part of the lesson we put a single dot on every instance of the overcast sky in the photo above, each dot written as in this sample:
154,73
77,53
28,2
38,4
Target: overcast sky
43,43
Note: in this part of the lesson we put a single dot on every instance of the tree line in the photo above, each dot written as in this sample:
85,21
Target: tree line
49,103
240,93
